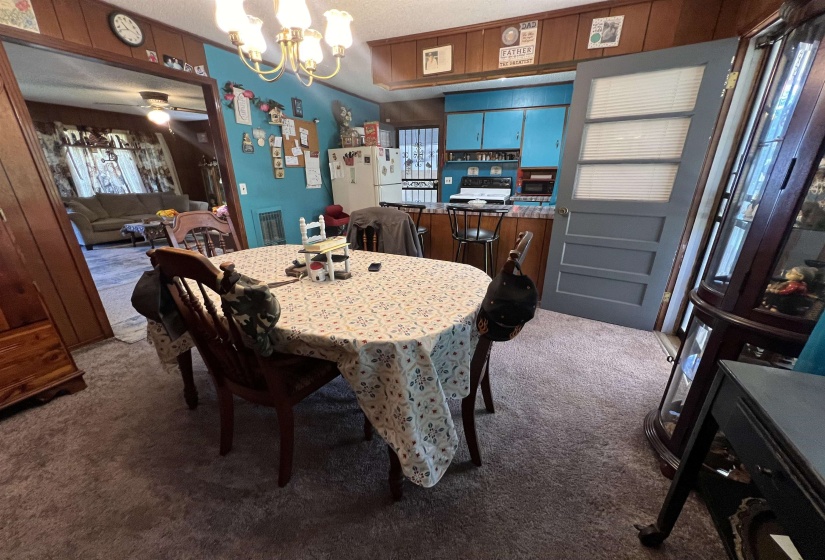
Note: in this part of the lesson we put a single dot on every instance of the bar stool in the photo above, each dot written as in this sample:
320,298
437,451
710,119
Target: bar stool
467,227
411,209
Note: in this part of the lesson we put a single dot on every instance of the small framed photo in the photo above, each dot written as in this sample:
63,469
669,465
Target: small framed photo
172,62
437,60
277,153
279,173
605,32
200,70
277,163
187,67
297,108
151,56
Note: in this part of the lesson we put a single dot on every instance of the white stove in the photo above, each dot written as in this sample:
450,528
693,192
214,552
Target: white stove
494,190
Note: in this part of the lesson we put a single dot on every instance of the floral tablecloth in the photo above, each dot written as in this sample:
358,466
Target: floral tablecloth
402,337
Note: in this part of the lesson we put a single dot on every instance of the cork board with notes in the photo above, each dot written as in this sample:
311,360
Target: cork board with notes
298,136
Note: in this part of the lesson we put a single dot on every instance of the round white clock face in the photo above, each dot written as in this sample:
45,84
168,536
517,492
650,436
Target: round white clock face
126,29
510,36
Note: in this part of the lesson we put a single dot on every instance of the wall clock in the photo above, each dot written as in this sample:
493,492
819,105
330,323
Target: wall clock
126,29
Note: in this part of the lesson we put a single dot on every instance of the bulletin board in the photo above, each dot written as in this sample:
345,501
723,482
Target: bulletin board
289,140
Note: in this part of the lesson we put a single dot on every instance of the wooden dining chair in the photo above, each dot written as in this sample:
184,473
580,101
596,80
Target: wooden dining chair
238,363
480,364
203,232
367,239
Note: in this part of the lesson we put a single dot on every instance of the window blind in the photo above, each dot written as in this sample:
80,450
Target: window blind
635,140
648,182
645,93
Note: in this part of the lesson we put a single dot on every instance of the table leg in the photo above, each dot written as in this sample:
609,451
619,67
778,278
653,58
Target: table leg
396,478
190,392
685,479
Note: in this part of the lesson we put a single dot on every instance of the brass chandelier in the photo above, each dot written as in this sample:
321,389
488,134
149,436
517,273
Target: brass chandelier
300,45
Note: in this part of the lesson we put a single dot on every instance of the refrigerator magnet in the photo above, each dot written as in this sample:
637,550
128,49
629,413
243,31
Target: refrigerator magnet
366,160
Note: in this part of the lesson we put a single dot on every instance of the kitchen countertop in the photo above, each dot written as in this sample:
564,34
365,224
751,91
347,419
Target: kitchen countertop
546,212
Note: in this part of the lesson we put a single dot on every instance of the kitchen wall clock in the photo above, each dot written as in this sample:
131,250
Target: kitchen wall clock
126,29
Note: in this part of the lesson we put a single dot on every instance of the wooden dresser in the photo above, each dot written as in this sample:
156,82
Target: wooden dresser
33,358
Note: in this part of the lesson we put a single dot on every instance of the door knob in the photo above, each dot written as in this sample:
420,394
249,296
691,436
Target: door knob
562,211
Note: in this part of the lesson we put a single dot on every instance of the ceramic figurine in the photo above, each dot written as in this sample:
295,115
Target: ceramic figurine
247,147
789,295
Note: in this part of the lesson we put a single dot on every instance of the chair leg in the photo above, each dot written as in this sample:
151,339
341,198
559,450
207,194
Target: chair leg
458,252
286,424
487,259
486,391
367,429
226,406
190,392
396,477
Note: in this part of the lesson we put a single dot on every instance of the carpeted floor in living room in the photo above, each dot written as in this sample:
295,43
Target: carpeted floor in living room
125,470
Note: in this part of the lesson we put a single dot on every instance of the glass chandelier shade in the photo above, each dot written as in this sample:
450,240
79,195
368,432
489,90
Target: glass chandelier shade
300,46
310,48
338,32
252,36
230,15
293,14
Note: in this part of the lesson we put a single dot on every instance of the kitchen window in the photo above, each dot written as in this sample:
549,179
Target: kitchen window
419,155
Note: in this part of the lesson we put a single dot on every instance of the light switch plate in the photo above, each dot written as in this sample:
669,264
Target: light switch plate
242,187
448,180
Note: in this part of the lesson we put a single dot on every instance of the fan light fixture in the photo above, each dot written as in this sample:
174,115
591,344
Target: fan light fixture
158,116
300,45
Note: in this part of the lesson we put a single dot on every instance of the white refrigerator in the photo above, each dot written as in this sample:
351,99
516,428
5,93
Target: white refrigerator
365,176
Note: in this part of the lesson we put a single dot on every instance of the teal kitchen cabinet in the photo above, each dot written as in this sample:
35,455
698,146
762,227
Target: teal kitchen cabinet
543,131
502,130
464,131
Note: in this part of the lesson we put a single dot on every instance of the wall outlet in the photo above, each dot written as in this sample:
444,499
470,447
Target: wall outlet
448,180
242,187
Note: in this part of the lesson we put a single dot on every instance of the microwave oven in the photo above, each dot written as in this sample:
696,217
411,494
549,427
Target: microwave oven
537,187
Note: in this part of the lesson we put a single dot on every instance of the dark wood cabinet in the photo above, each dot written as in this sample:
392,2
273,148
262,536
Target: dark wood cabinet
764,288
35,359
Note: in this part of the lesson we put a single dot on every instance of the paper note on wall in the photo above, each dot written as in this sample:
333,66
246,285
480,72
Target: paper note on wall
278,142
313,169
291,160
304,137
288,128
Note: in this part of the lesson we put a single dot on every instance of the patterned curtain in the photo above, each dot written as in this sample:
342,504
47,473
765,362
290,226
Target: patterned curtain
80,159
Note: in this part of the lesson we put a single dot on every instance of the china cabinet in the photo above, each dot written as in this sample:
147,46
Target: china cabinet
764,287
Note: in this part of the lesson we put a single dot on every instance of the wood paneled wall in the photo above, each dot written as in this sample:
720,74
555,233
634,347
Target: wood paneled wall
86,22
563,38
184,147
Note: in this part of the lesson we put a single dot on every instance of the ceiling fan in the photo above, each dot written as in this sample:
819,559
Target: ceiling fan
158,102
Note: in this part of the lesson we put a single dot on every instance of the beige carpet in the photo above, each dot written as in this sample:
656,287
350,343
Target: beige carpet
125,470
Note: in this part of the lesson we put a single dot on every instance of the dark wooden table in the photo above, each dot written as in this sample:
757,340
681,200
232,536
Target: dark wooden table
775,421
149,231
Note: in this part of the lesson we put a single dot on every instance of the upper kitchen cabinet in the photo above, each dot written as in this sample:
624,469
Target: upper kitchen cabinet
543,132
502,130
464,131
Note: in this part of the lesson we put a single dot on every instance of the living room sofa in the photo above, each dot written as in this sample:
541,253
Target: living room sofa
98,219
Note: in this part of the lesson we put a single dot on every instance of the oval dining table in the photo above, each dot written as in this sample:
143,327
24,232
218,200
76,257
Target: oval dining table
403,337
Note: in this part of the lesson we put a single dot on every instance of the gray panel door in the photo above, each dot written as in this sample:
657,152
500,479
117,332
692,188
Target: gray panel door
638,132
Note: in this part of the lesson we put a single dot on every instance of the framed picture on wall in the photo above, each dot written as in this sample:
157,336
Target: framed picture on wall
297,108
437,60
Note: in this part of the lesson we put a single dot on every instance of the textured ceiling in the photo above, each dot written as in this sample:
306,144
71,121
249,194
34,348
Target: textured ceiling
373,19
64,80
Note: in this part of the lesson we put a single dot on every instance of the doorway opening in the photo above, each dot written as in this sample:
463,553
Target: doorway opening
124,149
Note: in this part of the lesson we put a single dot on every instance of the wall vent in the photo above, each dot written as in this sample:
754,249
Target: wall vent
271,227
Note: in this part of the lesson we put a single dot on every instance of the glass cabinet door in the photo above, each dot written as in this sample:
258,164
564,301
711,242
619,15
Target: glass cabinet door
683,373
791,72
797,287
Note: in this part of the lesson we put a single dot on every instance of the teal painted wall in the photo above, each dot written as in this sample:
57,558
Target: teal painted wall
289,194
